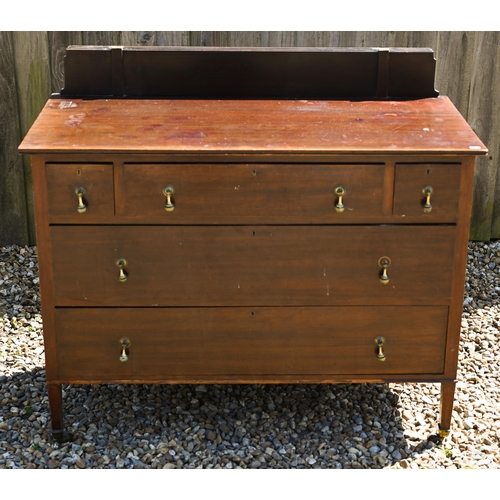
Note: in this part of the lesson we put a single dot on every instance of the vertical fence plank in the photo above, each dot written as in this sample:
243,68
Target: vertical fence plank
483,118
468,67
58,41
138,38
13,211
172,38
454,55
33,89
101,37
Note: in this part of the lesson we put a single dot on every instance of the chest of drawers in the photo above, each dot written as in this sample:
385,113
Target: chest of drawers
251,241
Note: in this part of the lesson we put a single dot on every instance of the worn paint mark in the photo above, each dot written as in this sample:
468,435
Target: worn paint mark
67,104
75,120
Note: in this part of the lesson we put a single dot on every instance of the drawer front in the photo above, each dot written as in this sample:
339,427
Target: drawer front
251,265
410,200
212,193
248,341
95,182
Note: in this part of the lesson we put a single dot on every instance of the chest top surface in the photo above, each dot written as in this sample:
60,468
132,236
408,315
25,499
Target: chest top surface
428,125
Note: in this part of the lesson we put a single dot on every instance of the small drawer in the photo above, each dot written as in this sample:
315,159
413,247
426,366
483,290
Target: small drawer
165,344
236,193
80,189
430,191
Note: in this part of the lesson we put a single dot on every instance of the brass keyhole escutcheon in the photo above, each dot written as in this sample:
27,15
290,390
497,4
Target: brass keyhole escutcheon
122,264
384,263
168,191
125,344
340,191
81,192
380,341
427,192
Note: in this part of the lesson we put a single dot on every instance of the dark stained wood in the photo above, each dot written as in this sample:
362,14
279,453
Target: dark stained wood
14,227
446,405
459,266
253,277
410,181
45,266
162,126
255,73
251,265
461,74
293,192
97,180
248,341
56,408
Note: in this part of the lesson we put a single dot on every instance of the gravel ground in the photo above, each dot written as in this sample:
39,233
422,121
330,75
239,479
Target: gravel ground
248,426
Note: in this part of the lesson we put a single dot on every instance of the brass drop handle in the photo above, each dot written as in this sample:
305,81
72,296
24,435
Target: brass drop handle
380,341
81,192
384,263
168,191
427,192
340,191
122,263
125,343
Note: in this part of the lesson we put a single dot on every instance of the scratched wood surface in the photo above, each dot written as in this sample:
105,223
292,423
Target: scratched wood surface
263,126
467,69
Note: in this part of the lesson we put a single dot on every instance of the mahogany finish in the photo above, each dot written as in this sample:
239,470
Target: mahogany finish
241,191
251,265
134,126
256,273
191,342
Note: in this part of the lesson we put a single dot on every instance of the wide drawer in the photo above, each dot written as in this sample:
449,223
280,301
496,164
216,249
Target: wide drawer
251,265
235,192
169,343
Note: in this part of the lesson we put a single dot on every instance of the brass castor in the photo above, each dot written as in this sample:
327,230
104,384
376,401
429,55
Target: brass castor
439,438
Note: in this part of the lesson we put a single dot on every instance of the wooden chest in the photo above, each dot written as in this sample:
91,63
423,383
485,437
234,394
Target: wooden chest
254,240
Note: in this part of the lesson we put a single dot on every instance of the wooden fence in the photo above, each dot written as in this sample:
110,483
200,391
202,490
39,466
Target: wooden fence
31,68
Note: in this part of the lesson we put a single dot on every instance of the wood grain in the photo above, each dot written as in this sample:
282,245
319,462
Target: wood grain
33,89
445,183
299,193
487,126
58,41
461,66
259,341
97,180
397,127
14,225
251,265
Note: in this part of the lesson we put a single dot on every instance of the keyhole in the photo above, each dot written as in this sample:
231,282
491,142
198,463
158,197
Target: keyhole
78,172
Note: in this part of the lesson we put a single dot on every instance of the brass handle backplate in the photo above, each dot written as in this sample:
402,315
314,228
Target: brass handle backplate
122,264
81,192
384,263
380,341
168,191
427,192
340,191
125,343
